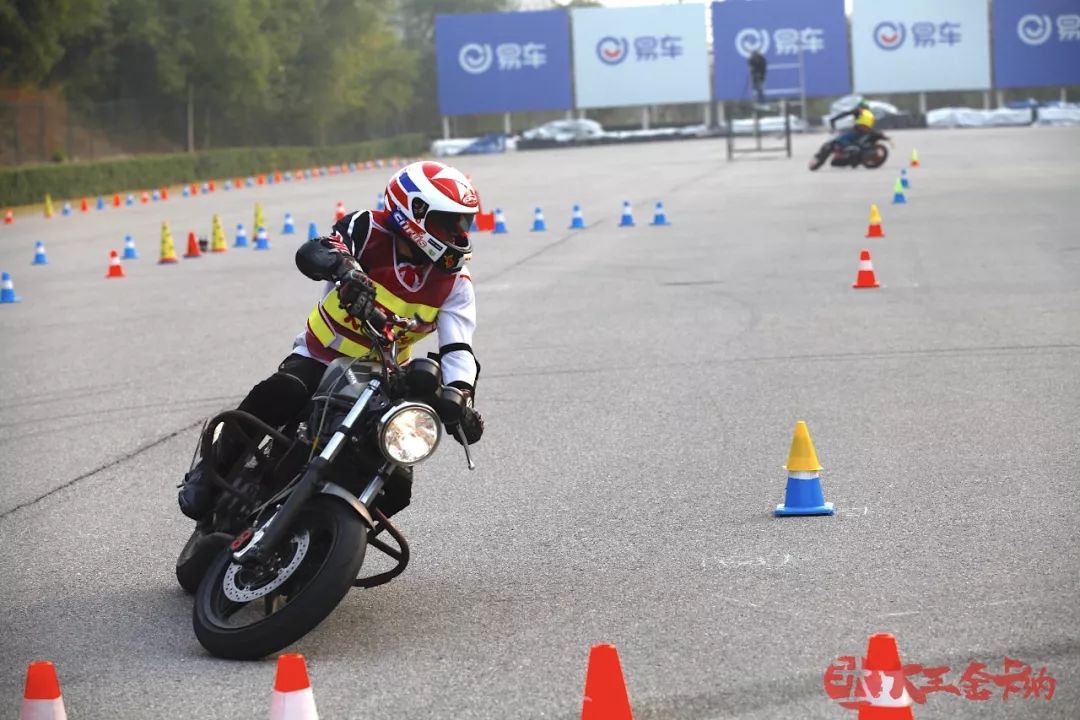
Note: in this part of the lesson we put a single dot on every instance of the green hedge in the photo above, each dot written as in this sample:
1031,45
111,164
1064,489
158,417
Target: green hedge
27,184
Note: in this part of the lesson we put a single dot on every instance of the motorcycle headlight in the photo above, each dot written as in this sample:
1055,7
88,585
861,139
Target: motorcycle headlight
409,433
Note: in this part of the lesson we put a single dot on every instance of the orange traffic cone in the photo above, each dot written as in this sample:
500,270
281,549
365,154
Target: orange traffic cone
340,211
875,229
605,689
292,698
192,246
164,193
41,698
9,217
116,200
84,206
882,662
145,197
865,278
116,270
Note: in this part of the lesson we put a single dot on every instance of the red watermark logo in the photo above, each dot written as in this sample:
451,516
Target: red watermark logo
853,687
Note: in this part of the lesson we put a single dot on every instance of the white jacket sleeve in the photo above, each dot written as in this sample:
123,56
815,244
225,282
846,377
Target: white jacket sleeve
455,324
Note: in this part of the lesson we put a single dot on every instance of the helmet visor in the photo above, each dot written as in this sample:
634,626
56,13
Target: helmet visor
449,227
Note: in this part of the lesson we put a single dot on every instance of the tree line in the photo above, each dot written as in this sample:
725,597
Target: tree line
248,72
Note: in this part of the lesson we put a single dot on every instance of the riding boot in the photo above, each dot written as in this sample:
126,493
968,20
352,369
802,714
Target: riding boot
276,401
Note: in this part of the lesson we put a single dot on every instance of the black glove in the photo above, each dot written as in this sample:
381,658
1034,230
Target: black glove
472,424
356,293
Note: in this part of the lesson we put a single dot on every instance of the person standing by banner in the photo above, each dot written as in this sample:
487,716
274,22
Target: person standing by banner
758,67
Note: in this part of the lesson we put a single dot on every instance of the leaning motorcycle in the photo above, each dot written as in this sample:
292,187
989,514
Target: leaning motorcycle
288,535
869,151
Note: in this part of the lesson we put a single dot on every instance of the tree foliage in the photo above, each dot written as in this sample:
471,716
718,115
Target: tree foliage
259,71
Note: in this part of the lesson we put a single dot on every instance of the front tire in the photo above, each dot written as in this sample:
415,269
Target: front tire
329,538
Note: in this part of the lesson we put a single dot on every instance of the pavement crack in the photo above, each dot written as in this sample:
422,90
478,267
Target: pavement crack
111,464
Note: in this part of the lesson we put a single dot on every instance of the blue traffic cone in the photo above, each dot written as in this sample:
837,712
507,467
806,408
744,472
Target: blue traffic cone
500,222
39,254
287,176
659,216
312,231
7,289
67,209
241,236
577,221
156,195
227,185
380,204
186,191
898,198
538,221
307,174
352,167
100,202
250,182
627,219
205,188
289,228
130,253
904,182
803,495
129,200
262,242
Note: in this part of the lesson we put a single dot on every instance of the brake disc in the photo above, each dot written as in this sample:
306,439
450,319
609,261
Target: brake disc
239,591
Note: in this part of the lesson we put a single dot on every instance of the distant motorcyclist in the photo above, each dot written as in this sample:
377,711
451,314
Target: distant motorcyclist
864,123
408,260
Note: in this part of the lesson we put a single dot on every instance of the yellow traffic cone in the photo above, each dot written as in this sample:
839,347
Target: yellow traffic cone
260,219
48,206
217,242
168,249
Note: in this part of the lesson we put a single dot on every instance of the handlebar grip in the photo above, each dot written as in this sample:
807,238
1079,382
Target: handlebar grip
376,318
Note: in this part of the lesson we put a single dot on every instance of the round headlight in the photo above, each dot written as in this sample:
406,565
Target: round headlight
409,433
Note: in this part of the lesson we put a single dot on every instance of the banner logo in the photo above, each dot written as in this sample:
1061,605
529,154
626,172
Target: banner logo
475,58
750,39
611,50
889,35
1034,29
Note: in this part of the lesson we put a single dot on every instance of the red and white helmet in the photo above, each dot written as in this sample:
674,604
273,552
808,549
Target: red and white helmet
433,206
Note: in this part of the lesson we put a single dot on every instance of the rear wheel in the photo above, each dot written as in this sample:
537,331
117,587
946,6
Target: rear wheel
875,156
247,612
199,552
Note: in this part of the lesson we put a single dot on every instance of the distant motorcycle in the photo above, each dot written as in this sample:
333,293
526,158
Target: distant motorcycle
869,151
287,537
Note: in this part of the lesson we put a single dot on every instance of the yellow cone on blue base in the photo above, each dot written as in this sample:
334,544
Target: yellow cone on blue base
803,495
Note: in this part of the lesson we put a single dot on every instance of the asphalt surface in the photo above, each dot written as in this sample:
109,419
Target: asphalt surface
640,388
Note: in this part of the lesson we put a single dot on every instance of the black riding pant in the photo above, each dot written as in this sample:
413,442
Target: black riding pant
282,397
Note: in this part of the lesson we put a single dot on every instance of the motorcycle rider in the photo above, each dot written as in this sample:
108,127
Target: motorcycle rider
408,259
864,123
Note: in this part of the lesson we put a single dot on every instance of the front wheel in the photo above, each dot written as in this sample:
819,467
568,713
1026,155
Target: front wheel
247,612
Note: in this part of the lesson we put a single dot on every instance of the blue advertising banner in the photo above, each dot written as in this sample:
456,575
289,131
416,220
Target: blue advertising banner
920,45
640,55
785,32
1036,42
503,62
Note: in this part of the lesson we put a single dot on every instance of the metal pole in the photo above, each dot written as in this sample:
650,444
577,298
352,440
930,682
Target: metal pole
707,115
986,99
1000,97
1064,95
787,125
757,127
645,118
922,103
506,123
190,118
445,127
802,84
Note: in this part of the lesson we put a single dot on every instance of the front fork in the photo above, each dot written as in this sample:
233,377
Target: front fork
257,546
